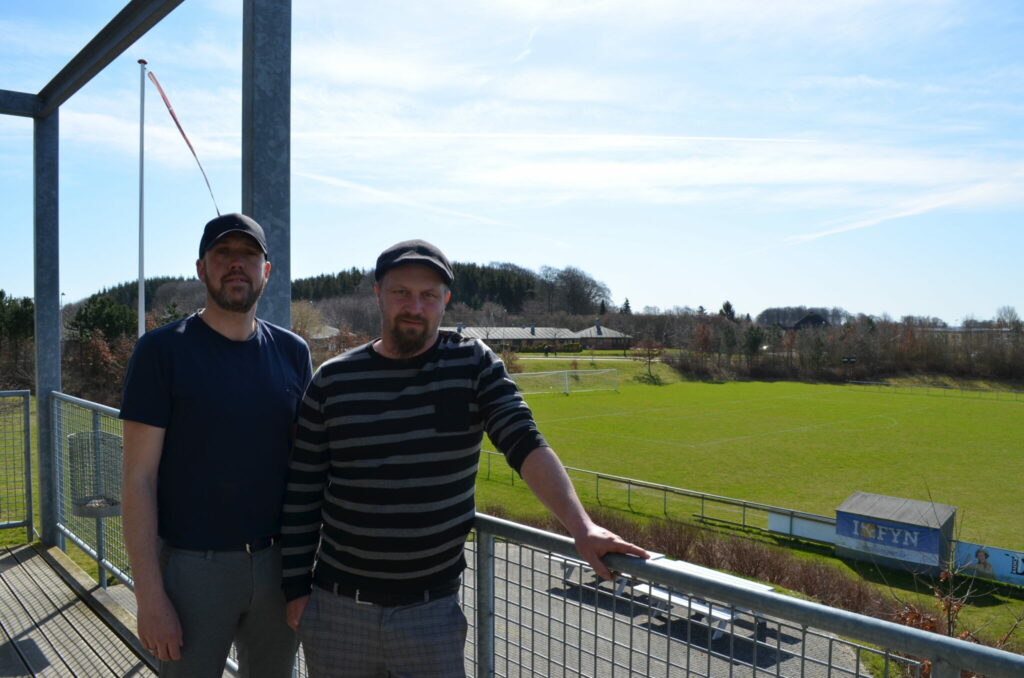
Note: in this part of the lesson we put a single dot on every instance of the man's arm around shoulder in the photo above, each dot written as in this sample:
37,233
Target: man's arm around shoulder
159,627
546,476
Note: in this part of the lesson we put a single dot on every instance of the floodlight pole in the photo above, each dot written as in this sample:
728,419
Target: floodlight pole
142,127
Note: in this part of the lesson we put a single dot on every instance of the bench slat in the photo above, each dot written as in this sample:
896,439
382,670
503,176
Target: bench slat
692,604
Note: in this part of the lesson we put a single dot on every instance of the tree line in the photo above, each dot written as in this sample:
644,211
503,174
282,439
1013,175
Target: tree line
99,332
513,288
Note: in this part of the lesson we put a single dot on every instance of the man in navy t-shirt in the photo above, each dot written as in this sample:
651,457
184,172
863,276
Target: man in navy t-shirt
209,410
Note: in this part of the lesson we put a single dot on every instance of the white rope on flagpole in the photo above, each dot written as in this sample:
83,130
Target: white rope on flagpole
170,109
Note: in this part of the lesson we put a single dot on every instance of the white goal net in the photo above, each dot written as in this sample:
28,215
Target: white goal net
567,381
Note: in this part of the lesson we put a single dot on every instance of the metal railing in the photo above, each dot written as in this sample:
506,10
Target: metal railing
941,390
15,462
674,502
531,622
87,467
529,617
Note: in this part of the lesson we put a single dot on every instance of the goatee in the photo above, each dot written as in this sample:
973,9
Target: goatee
236,304
407,343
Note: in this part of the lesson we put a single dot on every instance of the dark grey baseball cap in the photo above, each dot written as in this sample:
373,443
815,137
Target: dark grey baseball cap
231,223
414,252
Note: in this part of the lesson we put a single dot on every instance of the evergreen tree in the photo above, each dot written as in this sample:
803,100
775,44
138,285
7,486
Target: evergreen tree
106,315
728,311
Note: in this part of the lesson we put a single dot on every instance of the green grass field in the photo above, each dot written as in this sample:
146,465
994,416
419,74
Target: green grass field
800,446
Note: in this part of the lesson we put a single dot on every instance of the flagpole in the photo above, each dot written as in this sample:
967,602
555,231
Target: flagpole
142,125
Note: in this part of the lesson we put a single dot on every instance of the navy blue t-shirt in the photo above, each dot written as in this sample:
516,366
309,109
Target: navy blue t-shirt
228,408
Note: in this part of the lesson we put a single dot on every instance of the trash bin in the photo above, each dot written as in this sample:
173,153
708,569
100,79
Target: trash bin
94,461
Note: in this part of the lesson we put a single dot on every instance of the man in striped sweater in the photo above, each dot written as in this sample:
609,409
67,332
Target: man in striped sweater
380,496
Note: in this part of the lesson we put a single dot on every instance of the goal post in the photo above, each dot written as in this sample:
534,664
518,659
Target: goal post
567,381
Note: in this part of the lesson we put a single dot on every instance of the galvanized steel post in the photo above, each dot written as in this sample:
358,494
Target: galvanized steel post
484,604
46,146
99,479
27,446
266,141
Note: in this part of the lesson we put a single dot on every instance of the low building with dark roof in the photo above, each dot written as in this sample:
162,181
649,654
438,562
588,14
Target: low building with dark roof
517,338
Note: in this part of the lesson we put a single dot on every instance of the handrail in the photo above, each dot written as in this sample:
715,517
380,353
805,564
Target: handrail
102,409
948,655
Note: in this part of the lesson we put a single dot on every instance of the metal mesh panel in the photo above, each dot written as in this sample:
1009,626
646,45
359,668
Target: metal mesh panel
554,618
88,451
15,462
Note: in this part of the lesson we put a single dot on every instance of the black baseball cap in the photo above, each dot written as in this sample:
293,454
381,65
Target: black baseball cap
414,252
231,223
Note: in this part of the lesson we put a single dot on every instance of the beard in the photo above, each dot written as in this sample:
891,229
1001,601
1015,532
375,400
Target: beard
411,340
236,304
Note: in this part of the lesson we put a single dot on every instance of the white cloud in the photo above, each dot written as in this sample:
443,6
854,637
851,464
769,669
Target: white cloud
848,21
984,194
851,82
564,84
379,196
414,69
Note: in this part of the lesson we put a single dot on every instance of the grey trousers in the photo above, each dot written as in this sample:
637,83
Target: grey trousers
223,597
344,639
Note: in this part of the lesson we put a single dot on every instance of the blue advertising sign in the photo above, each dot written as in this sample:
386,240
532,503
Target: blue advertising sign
910,543
990,563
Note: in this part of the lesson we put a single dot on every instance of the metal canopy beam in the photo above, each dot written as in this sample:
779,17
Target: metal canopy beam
129,25
19,103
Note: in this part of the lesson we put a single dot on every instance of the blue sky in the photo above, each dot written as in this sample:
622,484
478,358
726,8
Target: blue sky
867,154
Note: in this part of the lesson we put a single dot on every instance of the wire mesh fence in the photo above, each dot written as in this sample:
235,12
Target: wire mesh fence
544,613
15,462
553,617
87,464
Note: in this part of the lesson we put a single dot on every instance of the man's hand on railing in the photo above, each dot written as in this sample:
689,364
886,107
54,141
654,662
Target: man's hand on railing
596,541
159,627
546,476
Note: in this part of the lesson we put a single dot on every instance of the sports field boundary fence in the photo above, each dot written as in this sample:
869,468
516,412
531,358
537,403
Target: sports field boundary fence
529,617
681,504
941,390
688,506
566,381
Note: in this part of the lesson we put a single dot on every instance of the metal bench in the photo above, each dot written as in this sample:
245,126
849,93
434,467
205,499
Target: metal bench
568,565
666,600
661,599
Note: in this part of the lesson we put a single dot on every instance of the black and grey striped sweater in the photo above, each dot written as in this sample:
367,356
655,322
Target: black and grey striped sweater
380,488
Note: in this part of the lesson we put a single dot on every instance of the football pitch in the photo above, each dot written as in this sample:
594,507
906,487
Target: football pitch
803,446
